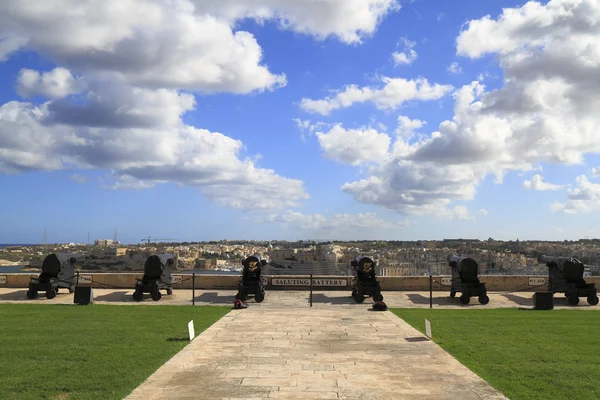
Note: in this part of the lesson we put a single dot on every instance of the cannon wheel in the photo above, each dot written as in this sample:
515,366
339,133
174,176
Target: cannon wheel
169,291
378,297
156,295
358,297
573,300
259,297
50,294
71,290
484,299
465,299
452,294
592,300
138,295
32,294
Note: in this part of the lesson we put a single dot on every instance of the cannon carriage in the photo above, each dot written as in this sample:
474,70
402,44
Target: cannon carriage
465,280
157,277
565,275
251,282
58,271
365,282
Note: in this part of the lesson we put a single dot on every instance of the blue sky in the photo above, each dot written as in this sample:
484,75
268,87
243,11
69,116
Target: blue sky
128,137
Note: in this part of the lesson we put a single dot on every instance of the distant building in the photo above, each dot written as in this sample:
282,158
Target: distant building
103,242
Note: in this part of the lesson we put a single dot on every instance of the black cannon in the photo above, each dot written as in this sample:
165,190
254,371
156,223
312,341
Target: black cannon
58,271
365,282
251,282
157,276
565,275
465,280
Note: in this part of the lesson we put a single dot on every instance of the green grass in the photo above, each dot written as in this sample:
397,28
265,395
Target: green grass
525,354
91,352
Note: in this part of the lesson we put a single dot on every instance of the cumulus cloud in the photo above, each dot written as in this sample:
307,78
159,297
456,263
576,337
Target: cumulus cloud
407,56
335,223
109,37
546,112
350,20
537,183
117,97
584,198
392,94
483,212
53,84
454,68
595,172
142,156
407,127
354,146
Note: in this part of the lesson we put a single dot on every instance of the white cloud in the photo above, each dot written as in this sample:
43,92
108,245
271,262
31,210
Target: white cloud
537,183
349,20
584,198
78,178
354,146
110,38
407,127
144,154
483,212
595,172
407,56
454,68
334,224
54,84
393,93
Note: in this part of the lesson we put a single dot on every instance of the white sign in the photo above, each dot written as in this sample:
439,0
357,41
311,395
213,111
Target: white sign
428,329
446,281
306,282
176,279
191,330
85,279
537,281
3,280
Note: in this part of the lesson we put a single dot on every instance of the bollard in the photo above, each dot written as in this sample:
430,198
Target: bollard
193,288
310,297
430,291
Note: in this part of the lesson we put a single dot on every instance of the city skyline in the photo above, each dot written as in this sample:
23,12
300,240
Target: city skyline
363,119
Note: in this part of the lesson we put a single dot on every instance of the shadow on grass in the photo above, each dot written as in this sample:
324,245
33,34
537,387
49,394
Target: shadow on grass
178,339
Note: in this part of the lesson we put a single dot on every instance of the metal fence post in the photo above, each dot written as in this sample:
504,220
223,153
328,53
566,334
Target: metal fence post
430,291
193,288
311,284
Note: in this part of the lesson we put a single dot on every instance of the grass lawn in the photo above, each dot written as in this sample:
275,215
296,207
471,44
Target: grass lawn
525,354
90,352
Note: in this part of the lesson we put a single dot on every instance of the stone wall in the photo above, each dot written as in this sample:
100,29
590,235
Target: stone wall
494,283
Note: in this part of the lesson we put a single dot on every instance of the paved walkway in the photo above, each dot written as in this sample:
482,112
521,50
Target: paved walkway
297,353
278,299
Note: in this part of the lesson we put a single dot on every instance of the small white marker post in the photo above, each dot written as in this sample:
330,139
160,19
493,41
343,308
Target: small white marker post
191,329
428,329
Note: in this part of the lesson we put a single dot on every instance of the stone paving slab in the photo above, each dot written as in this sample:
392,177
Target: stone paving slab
298,299
270,353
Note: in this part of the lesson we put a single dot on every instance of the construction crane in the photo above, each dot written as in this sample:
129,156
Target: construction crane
149,239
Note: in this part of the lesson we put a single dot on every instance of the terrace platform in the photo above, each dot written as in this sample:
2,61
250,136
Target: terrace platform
297,299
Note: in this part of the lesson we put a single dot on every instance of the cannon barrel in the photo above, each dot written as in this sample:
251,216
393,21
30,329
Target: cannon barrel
550,259
453,258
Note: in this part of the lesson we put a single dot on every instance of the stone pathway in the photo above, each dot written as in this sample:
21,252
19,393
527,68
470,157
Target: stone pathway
318,353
